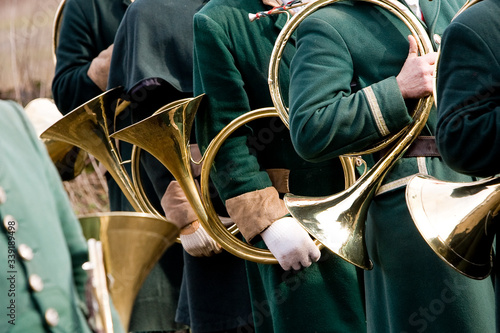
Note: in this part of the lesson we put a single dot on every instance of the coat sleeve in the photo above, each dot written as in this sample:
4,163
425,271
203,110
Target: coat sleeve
76,49
327,117
468,135
236,171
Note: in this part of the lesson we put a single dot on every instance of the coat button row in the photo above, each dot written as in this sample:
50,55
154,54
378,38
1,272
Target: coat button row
52,317
10,223
25,252
35,282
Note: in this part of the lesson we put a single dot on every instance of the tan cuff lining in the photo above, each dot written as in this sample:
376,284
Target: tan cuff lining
254,211
279,178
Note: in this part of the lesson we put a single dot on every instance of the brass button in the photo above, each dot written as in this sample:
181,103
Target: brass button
25,252
52,317
10,223
36,282
3,195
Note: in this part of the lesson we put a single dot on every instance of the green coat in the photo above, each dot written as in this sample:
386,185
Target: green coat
43,282
230,66
468,82
87,28
154,63
467,93
344,68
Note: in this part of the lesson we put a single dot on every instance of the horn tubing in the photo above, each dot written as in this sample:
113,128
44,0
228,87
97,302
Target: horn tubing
370,181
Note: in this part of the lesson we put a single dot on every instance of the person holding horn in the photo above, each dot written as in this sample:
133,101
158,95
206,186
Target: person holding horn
83,54
355,79
153,61
309,291
468,83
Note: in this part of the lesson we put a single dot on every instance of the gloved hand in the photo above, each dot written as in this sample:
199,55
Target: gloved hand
290,244
99,68
195,240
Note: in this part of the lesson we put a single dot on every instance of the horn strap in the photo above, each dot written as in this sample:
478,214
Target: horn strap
423,146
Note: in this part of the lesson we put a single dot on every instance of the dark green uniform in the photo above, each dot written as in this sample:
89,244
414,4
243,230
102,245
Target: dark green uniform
231,62
42,246
344,96
468,95
153,60
89,27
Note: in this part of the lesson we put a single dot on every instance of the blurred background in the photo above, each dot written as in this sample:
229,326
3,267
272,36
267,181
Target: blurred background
26,72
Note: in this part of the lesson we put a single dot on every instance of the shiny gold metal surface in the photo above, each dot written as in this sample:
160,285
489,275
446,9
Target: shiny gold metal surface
214,227
338,221
132,243
87,128
56,28
171,127
455,219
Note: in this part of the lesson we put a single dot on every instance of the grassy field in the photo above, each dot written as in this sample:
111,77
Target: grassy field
26,62
26,72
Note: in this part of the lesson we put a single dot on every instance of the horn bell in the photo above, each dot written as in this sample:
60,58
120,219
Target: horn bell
132,243
463,235
336,221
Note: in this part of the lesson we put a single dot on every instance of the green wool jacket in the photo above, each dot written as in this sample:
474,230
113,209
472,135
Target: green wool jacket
468,84
231,63
154,63
344,97
43,248
231,59
87,28
344,65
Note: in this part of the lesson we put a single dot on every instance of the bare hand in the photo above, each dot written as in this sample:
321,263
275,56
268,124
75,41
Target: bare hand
99,68
416,77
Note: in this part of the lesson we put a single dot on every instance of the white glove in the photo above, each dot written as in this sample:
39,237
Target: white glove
290,244
196,241
99,68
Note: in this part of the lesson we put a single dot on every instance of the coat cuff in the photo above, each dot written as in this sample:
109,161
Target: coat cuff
254,211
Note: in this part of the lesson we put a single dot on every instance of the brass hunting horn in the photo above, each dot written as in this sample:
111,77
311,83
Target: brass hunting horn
56,28
170,127
463,235
132,243
87,127
338,221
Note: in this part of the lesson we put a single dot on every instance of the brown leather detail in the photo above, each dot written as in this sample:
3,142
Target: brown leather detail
279,178
423,146
176,206
254,211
